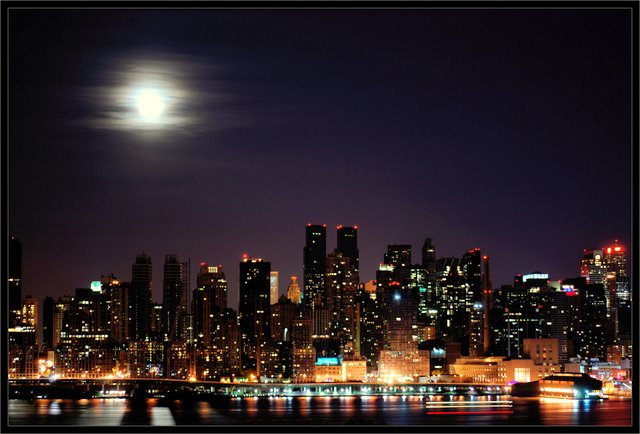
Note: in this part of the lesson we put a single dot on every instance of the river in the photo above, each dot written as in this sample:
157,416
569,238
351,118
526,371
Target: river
372,410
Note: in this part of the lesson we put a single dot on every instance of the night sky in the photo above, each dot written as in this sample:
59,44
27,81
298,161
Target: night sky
508,130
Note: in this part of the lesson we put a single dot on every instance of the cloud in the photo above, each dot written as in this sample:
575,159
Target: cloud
197,99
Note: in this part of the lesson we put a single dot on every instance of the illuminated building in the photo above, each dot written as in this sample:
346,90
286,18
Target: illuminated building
304,353
400,356
122,322
371,323
508,320
453,316
255,311
471,267
593,267
84,346
593,318
494,369
293,291
419,290
209,303
140,297
174,296
618,290
487,305
315,266
399,257
274,287
553,309
282,315
276,361
545,355
342,287
22,354
429,306
155,321
14,285
347,241
48,312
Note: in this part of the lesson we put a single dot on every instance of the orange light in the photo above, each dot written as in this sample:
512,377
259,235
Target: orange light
608,249
617,248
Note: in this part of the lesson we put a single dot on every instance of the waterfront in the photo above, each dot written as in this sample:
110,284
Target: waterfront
344,410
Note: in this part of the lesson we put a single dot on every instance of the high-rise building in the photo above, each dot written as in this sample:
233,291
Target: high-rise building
431,299
209,303
121,319
15,280
618,290
371,323
593,267
315,266
274,288
174,296
399,257
48,312
487,305
453,315
140,297
293,291
282,315
348,245
255,310
471,265
342,288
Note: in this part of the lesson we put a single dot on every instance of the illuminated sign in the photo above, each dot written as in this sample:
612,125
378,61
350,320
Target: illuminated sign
535,276
328,361
96,286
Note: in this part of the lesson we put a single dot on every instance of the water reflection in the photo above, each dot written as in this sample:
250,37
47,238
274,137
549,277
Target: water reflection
329,410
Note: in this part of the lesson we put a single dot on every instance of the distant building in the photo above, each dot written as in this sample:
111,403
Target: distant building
347,240
140,297
315,266
495,369
174,297
14,284
255,311
274,287
293,291
545,355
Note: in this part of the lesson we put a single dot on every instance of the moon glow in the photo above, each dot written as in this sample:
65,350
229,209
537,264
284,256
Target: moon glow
150,105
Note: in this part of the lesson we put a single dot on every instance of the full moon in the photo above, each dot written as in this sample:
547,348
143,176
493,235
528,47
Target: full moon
150,105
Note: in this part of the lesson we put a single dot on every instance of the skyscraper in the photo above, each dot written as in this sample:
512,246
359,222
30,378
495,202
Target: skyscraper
174,296
315,266
209,303
48,312
255,311
348,245
140,297
342,288
275,288
15,280
593,267
399,257
618,289
293,291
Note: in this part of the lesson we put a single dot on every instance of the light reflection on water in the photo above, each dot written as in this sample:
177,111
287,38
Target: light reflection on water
371,410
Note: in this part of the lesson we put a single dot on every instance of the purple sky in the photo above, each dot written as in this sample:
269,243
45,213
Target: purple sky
508,130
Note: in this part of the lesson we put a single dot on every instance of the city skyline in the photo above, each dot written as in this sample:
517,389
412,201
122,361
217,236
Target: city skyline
394,120
233,270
